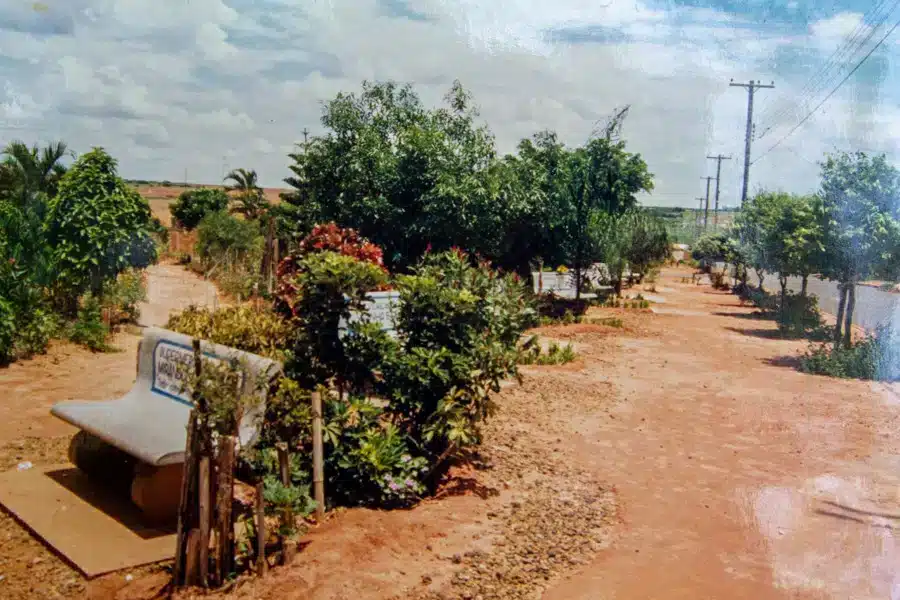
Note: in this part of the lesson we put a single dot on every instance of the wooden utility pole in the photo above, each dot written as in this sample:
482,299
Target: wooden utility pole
706,209
751,90
718,158
699,214
305,135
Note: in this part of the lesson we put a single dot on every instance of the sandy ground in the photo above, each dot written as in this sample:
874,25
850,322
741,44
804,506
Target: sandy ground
680,457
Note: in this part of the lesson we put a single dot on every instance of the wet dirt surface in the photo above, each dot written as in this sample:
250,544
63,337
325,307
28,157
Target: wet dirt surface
681,456
723,454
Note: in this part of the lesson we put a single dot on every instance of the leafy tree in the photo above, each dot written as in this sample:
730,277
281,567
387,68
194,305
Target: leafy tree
601,176
223,238
29,177
250,199
649,241
405,177
97,226
529,199
610,239
192,205
861,232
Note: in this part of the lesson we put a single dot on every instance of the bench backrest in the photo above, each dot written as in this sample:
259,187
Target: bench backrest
164,356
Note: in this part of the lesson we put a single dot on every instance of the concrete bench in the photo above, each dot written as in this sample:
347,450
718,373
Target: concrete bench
145,431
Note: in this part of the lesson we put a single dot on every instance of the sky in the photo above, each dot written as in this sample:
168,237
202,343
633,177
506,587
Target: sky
192,88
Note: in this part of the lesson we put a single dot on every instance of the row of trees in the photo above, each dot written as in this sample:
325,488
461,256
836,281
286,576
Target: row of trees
414,179
847,232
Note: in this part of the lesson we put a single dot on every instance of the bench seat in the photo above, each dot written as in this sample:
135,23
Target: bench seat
150,421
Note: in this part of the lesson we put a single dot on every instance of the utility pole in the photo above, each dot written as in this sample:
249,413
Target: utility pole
699,214
718,158
305,135
751,90
706,210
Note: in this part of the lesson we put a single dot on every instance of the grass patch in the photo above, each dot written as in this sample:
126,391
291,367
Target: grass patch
531,353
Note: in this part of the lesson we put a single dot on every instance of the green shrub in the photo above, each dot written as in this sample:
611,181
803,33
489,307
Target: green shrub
226,240
35,332
193,205
245,328
7,331
456,332
875,357
122,295
89,330
800,315
531,353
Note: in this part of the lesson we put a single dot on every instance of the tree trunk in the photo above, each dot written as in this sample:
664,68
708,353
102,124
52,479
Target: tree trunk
577,282
848,323
842,305
783,281
803,285
761,277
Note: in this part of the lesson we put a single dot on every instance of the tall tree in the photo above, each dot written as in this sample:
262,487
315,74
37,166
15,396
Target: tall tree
600,176
98,226
861,232
251,201
405,177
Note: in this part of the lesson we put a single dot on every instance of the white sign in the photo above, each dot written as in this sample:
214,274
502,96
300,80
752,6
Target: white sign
550,281
380,307
171,363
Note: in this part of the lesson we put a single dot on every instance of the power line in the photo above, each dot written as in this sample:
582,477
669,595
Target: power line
834,63
832,92
827,66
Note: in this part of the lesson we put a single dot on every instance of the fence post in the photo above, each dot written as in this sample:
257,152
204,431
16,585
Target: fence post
318,458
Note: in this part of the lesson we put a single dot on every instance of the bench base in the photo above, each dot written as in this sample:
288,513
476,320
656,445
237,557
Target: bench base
101,461
154,490
157,491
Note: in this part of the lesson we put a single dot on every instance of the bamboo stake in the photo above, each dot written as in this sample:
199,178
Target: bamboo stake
203,484
261,564
318,459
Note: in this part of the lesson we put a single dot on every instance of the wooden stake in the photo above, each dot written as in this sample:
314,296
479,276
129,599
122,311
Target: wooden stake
192,566
318,457
261,564
288,548
203,485
224,515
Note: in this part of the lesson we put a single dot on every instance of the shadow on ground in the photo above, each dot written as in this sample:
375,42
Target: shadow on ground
755,316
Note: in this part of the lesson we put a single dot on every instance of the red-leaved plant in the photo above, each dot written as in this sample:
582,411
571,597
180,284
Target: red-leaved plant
324,238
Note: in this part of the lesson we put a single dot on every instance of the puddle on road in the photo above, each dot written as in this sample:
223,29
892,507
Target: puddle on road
835,534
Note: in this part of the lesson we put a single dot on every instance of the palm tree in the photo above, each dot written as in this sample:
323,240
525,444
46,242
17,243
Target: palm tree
32,171
250,200
29,177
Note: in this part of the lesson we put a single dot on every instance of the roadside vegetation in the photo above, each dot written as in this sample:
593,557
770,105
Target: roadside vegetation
848,232
72,242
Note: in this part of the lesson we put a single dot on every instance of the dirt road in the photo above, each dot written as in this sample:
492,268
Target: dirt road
738,476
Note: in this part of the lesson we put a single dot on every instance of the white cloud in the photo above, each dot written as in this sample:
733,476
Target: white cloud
161,85
837,27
